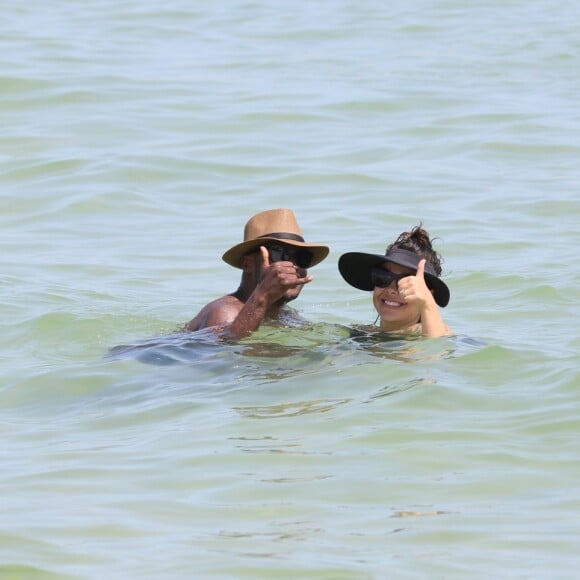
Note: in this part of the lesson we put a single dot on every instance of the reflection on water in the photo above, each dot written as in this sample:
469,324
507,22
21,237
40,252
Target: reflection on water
291,409
419,514
270,350
177,348
275,354
405,348
313,342
301,534
267,444
400,388
335,357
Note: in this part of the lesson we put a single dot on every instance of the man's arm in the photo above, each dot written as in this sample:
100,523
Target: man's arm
219,314
276,279
236,319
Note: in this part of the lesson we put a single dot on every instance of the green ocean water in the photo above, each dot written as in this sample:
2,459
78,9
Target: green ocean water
136,141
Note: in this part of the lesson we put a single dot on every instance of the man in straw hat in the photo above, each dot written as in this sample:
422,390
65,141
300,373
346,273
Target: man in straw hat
274,259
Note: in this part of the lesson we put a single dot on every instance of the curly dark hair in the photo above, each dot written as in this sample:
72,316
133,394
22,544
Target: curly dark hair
419,242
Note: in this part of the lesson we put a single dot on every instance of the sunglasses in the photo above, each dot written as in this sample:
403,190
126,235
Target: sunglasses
382,278
301,257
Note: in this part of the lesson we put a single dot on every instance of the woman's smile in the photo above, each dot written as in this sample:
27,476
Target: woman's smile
390,303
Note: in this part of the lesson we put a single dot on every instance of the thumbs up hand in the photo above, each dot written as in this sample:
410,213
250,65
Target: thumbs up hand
413,289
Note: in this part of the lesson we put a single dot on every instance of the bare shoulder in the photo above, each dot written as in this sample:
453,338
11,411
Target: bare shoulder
219,312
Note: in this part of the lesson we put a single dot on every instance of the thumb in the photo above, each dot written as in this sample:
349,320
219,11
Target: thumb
265,256
421,269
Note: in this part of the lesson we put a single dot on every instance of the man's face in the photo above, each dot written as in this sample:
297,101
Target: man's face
278,261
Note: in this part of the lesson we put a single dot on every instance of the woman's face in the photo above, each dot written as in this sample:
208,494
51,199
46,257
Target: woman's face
395,313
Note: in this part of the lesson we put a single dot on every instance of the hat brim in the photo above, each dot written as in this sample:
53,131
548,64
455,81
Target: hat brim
356,268
234,255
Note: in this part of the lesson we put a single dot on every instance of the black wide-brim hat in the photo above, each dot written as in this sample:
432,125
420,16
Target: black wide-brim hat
356,268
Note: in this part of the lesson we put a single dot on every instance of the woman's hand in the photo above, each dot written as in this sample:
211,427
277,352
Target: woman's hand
413,289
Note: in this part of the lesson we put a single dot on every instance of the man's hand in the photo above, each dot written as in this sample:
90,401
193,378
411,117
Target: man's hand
279,277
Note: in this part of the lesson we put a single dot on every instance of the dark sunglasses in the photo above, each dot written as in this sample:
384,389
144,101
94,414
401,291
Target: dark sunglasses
301,257
382,278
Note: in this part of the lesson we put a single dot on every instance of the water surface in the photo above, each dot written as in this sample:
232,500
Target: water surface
137,140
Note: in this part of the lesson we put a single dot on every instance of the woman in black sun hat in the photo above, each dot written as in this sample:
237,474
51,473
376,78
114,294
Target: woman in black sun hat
405,282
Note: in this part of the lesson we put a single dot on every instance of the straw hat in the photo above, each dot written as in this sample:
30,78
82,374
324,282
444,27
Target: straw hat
274,225
356,268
